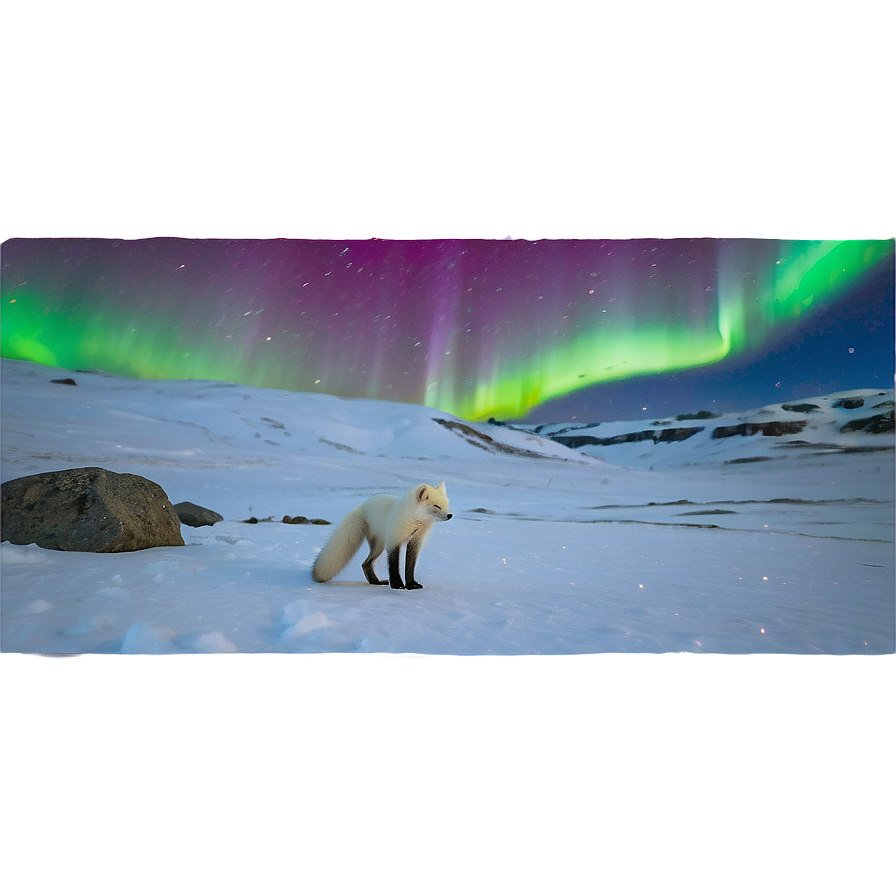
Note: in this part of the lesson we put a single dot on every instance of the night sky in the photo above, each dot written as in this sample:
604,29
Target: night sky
513,329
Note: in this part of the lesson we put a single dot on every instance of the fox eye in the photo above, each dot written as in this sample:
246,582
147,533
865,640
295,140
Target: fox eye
436,507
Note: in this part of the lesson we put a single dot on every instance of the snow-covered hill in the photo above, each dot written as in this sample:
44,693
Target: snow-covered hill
844,422
739,543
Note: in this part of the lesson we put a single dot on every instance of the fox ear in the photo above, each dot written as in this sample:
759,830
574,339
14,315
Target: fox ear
421,493
441,485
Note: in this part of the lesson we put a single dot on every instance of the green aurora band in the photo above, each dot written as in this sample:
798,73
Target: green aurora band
747,313
514,370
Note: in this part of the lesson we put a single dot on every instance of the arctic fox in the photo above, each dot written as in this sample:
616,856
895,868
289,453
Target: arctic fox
387,523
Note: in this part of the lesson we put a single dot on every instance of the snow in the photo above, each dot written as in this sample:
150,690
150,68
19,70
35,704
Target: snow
636,547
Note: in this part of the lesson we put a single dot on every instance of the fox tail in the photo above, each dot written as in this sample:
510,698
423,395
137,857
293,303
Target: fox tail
342,546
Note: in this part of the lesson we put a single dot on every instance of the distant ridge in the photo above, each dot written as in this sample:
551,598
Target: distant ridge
849,421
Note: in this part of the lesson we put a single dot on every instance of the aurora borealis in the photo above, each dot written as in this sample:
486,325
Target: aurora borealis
476,328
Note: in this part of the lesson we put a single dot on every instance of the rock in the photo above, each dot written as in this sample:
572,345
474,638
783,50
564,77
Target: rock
68,381
849,403
879,423
804,408
772,428
88,509
677,435
622,439
193,515
481,440
303,520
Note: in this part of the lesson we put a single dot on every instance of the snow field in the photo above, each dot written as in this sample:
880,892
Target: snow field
553,554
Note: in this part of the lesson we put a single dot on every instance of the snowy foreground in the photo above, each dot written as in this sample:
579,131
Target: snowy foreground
748,544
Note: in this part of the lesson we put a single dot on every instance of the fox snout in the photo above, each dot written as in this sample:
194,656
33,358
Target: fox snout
448,517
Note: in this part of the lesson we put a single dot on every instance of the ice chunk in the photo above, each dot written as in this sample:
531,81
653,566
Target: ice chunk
308,624
143,638
112,591
86,625
39,606
294,611
213,642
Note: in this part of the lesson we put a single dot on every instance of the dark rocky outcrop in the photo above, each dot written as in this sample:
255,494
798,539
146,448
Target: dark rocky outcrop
193,515
879,423
679,434
849,403
700,415
481,440
771,428
805,408
88,509
676,434
624,438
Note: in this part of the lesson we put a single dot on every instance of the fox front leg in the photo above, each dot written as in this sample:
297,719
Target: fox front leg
410,562
394,574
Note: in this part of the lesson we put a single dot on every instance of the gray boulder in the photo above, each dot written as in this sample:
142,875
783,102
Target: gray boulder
193,515
88,509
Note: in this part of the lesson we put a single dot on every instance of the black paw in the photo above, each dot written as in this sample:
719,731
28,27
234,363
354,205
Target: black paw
413,585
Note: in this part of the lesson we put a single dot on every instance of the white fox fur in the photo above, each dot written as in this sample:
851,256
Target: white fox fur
387,523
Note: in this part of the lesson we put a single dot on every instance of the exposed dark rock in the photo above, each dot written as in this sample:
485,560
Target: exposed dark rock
303,520
700,415
879,423
849,403
624,438
578,441
801,408
864,449
88,509
772,428
716,511
677,435
337,445
193,515
482,440
68,381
